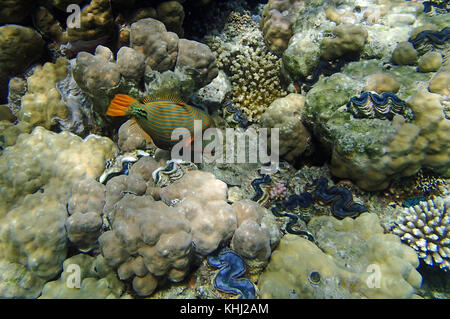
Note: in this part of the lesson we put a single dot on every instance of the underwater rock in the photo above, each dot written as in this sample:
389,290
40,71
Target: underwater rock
405,54
342,264
430,62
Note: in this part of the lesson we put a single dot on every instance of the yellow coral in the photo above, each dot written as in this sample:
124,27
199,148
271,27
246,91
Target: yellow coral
42,104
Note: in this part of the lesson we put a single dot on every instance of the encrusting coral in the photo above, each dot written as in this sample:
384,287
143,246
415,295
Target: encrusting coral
353,259
35,187
425,228
285,114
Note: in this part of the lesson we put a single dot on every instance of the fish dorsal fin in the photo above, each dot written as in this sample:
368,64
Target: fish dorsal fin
168,97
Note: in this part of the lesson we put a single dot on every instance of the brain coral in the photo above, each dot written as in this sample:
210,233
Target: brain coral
353,259
425,228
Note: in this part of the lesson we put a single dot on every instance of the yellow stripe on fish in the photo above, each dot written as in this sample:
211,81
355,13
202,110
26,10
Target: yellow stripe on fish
159,116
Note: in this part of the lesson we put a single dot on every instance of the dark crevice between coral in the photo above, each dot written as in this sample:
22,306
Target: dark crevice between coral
213,16
318,157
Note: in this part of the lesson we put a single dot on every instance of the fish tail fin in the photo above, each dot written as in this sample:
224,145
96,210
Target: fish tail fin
119,105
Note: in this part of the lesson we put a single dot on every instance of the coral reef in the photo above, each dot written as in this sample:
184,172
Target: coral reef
35,187
97,280
252,69
85,209
148,241
285,114
19,47
276,23
42,104
344,263
424,228
378,150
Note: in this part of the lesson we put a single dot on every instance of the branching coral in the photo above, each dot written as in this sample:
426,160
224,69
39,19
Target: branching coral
425,228
252,68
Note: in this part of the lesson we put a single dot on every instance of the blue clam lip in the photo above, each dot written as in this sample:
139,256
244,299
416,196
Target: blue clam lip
385,105
340,198
227,280
431,36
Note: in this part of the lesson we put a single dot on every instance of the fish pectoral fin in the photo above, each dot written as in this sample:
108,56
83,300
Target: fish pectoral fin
188,141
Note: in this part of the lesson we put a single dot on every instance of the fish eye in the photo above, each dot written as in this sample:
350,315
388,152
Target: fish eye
314,277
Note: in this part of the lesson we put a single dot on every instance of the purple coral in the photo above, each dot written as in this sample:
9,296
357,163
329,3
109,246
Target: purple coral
278,191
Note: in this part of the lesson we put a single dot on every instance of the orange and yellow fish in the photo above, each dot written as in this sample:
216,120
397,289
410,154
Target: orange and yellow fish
159,116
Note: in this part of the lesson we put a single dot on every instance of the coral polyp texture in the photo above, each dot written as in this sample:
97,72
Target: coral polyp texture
253,70
340,265
350,98
425,228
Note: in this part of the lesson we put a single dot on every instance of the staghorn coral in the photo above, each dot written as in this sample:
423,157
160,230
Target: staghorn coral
425,228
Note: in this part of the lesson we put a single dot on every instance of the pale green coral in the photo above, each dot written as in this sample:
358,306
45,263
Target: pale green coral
351,253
